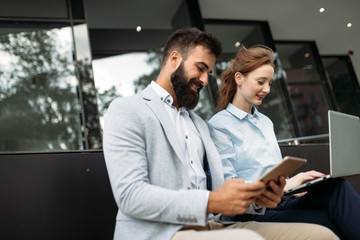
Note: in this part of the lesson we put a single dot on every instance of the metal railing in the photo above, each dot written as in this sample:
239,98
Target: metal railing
298,140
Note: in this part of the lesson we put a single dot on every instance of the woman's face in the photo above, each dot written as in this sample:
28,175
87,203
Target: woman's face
252,88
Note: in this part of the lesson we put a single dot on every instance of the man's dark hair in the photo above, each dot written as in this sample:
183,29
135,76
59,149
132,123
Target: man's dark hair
186,39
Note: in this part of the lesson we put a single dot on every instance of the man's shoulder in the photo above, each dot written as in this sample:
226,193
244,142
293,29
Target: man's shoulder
128,100
125,107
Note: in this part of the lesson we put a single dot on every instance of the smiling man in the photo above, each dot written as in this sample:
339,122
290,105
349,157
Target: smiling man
165,172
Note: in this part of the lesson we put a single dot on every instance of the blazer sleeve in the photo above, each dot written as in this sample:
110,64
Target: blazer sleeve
125,151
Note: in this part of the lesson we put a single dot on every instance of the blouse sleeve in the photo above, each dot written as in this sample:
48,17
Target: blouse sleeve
223,142
224,145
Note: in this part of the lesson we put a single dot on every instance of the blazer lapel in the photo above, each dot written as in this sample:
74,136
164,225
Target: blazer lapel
153,101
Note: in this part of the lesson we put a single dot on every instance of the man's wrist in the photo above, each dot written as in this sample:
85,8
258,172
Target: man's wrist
212,205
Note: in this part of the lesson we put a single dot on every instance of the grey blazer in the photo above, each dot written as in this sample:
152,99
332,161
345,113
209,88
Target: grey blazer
148,178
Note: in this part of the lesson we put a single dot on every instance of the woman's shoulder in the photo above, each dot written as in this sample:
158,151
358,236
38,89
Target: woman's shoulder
220,119
265,118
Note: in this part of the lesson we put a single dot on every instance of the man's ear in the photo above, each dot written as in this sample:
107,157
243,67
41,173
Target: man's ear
175,59
239,78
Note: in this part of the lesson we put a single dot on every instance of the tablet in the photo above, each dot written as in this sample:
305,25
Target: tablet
287,166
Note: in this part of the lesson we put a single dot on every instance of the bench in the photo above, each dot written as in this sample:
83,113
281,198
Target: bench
58,195
67,195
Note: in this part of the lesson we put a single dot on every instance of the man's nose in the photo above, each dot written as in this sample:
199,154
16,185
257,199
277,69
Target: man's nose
204,78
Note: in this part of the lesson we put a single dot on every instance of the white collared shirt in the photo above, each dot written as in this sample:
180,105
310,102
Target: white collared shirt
189,138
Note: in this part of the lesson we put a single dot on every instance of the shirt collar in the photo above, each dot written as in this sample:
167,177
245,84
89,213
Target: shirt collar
237,112
162,93
165,96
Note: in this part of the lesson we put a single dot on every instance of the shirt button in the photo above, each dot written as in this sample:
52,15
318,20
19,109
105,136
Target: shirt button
186,137
161,99
191,162
168,100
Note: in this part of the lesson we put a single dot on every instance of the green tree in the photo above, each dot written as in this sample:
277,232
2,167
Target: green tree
39,108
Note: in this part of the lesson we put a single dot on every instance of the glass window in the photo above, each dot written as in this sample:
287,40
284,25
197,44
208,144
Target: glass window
311,108
307,86
124,75
345,86
339,73
298,61
348,102
231,36
127,74
39,105
126,60
87,92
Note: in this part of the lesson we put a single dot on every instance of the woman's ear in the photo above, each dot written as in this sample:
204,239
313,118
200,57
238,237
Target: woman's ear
239,78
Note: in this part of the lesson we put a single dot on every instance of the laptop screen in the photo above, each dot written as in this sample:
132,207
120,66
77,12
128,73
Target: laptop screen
344,140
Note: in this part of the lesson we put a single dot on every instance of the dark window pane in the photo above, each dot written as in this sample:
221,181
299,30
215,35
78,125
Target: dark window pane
307,86
310,106
338,72
126,14
348,102
77,9
39,105
344,83
299,63
34,8
231,36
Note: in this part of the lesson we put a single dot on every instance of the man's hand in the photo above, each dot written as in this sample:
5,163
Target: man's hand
272,196
234,197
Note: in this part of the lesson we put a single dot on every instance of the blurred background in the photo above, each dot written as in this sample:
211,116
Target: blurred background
63,61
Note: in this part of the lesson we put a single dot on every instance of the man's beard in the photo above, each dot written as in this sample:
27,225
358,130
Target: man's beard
185,96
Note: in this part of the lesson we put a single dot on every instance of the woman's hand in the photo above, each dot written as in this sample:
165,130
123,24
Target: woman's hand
300,178
273,194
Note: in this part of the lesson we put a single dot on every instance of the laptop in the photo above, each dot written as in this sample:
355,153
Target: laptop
344,146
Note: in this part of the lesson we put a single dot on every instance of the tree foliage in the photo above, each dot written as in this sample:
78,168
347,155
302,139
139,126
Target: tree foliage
39,108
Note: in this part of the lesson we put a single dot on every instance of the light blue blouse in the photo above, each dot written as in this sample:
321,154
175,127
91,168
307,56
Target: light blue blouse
247,143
